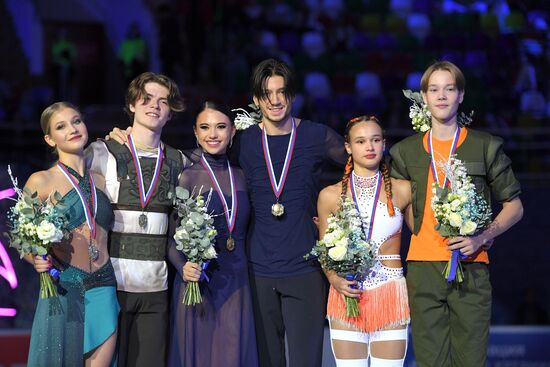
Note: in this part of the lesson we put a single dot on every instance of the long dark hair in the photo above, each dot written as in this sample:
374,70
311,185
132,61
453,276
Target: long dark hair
383,165
216,106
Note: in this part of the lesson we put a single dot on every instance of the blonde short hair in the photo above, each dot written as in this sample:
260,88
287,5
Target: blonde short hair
460,81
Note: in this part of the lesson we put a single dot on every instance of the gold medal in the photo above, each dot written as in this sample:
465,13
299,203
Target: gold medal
277,209
230,245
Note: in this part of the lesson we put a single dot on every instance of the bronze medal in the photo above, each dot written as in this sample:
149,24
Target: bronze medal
93,251
230,245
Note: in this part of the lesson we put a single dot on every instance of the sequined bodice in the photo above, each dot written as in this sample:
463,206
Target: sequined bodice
384,226
74,209
75,212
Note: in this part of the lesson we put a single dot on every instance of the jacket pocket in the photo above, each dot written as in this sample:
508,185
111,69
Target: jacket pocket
477,171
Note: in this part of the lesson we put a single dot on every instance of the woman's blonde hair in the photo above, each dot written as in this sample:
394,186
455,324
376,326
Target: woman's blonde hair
50,110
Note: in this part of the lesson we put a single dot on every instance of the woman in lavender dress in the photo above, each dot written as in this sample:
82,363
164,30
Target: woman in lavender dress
220,330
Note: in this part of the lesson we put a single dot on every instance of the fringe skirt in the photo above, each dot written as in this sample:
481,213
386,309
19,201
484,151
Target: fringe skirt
380,308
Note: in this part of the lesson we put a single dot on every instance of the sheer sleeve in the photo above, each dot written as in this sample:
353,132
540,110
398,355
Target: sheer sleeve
334,148
176,257
191,156
96,157
235,149
195,179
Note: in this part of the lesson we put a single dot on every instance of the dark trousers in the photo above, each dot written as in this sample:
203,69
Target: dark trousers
142,329
450,324
295,306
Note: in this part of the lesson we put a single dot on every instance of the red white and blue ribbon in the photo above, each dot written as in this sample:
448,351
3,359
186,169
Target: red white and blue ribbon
278,186
374,201
145,196
90,218
456,255
230,213
433,161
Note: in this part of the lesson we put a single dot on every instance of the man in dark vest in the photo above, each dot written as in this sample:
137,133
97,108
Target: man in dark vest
450,323
138,177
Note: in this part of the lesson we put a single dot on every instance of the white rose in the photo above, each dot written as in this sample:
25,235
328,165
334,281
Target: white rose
455,204
47,232
210,253
455,220
329,239
337,253
181,235
342,242
468,228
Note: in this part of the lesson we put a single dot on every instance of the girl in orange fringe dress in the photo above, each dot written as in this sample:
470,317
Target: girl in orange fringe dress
380,330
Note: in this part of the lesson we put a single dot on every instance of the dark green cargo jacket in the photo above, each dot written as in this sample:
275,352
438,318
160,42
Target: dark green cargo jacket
483,156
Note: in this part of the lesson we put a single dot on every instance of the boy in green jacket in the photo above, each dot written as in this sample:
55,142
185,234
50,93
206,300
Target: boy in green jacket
450,324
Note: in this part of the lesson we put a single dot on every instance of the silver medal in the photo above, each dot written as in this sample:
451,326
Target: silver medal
143,220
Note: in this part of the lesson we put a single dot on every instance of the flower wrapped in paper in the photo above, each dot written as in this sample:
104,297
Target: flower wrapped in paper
194,236
344,248
35,226
459,211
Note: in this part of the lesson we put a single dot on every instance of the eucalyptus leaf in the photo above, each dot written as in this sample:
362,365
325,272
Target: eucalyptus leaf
182,193
57,196
28,200
40,250
197,218
27,211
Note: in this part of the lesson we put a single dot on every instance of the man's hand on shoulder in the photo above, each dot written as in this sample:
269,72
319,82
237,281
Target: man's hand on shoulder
120,136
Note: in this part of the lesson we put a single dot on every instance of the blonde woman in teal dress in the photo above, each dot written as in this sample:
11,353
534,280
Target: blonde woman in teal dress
79,327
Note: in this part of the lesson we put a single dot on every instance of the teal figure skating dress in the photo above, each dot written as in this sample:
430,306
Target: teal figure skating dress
71,326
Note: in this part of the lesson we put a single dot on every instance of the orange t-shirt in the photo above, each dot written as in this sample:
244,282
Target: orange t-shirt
428,245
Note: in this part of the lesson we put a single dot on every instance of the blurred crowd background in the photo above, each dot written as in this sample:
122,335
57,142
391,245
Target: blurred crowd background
351,57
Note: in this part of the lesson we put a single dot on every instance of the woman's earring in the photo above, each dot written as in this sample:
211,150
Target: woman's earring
230,142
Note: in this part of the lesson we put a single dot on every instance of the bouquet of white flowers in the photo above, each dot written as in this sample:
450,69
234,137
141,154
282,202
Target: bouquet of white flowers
194,236
35,226
421,117
459,211
344,248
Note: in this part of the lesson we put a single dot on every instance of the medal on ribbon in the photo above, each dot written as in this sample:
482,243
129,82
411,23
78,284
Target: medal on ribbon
374,201
230,213
90,211
433,161
456,255
144,196
277,209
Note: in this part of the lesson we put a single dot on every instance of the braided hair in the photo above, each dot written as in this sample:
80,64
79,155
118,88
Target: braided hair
383,165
